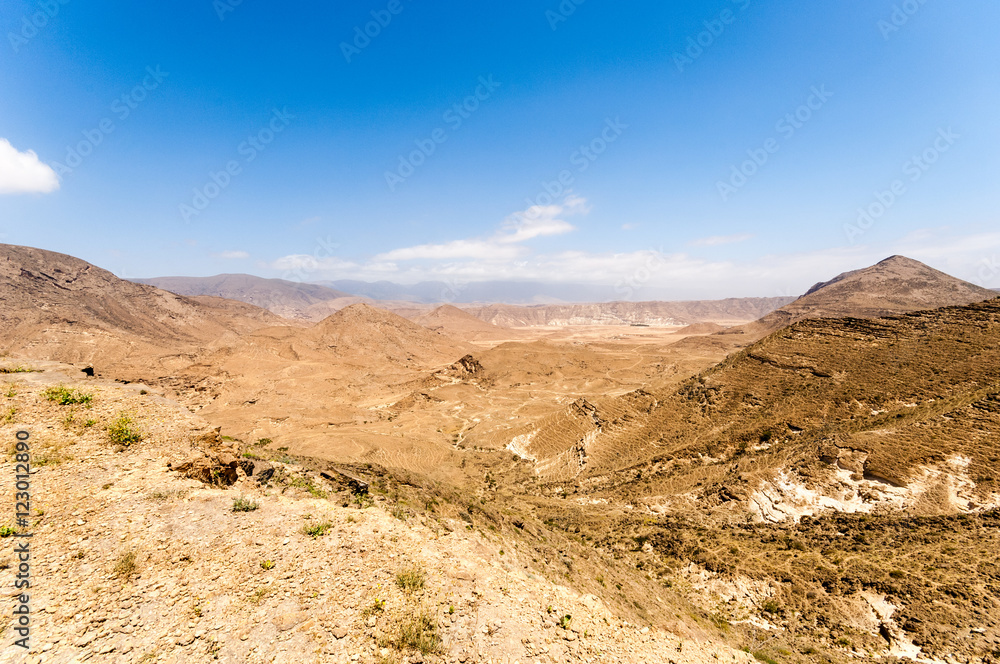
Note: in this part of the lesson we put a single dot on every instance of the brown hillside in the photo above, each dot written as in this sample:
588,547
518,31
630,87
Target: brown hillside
285,298
454,322
895,285
61,307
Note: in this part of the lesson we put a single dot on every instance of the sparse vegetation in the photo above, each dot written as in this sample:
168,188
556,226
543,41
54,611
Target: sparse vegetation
417,631
258,595
318,529
267,565
411,579
126,565
18,369
8,415
243,504
378,606
66,396
123,431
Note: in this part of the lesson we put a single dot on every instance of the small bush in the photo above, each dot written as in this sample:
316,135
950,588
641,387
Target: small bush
124,432
266,564
8,415
126,567
242,504
317,530
416,632
65,396
411,579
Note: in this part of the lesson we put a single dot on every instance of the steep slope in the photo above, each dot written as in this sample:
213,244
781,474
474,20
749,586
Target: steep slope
61,307
893,286
906,402
285,298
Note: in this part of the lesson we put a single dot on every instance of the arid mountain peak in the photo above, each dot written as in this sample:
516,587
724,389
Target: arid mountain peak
895,285
70,306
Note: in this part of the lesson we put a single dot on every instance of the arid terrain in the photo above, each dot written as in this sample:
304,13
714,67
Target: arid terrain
779,479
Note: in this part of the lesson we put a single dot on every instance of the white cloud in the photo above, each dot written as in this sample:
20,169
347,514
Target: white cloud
233,255
541,220
479,249
23,172
536,221
716,240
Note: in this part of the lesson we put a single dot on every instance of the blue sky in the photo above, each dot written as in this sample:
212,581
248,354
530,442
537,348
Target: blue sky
705,149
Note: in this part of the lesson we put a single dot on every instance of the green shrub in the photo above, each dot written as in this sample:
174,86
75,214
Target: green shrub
66,396
242,504
317,530
124,432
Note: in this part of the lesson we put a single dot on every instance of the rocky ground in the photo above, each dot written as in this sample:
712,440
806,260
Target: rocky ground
133,561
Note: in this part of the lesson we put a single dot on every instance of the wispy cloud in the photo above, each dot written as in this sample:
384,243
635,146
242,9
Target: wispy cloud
536,221
716,240
664,274
23,172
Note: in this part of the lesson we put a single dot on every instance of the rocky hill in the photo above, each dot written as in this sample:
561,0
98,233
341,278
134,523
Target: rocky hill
893,286
459,324
868,428
59,307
